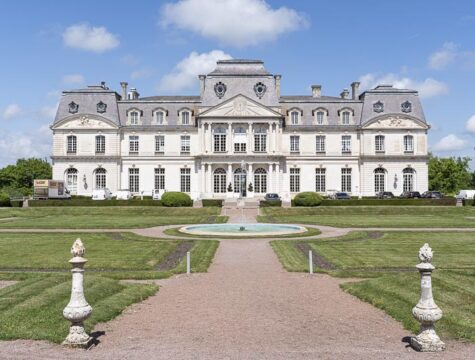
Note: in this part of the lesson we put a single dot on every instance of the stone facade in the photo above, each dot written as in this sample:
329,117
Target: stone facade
359,143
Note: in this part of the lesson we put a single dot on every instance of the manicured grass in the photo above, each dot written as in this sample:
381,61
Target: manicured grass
105,217
32,308
374,216
393,285
176,232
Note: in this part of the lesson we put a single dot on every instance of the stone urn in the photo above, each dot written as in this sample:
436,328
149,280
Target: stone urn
426,312
77,309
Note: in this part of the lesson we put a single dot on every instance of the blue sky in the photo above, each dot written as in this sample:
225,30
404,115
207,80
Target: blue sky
159,47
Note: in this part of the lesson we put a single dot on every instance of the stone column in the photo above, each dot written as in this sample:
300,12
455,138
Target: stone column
277,178
249,138
426,311
211,145
230,176
77,309
270,182
229,138
202,170
274,135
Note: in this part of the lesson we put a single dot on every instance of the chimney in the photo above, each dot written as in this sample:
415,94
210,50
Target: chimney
355,90
202,84
133,94
277,84
316,91
124,84
344,94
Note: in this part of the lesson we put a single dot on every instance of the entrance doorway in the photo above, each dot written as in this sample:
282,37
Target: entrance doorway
240,182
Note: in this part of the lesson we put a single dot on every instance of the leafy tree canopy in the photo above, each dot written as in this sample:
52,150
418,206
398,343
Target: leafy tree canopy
449,175
18,179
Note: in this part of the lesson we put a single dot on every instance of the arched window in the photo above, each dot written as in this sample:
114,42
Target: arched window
185,116
294,117
160,117
379,180
408,143
100,144
408,179
219,180
100,177
320,115
240,177
379,143
71,144
345,118
72,180
260,180
134,117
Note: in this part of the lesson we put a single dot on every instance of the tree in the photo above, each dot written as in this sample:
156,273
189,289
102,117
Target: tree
19,177
449,175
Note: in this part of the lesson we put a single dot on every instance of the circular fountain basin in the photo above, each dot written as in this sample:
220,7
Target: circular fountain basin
243,229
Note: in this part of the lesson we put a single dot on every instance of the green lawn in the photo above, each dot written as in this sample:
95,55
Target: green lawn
32,308
105,217
392,284
374,216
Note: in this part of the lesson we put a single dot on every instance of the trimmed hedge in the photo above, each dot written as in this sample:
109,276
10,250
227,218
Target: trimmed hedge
308,198
176,199
4,200
212,202
89,202
391,202
16,203
274,203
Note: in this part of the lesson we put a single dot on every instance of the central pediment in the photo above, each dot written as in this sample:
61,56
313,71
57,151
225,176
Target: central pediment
240,106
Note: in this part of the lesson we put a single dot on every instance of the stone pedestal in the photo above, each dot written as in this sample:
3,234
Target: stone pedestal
426,311
77,309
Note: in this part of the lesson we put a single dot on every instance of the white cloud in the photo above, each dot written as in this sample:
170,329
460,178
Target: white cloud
450,142
470,125
427,88
141,73
444,56
48,112
185,74
12,111
232,22
20,144
73,79
90,38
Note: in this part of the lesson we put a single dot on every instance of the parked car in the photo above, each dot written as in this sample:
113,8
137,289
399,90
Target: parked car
342,196
385,195
123,194
272,197
101,194
432,195
465,194
330,194
157,194
410,195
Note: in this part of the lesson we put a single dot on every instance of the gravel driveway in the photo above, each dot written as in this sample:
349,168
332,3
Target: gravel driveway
246,307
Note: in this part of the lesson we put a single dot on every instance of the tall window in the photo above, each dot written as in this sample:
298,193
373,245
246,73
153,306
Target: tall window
294,143
260,180
320,144
320,117
160,117
408,143
134,180
72,144
185,144
240,139
160,143
185,179
72,180
346,180
219,185
133,144
346,144
100,178
320,180
159,178
294,117
134,118
185,118
219,137
345,118
408,179
260,140
100,144
379,143
294,180
379,180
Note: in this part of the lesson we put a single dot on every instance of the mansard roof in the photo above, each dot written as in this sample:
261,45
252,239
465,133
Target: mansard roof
240,67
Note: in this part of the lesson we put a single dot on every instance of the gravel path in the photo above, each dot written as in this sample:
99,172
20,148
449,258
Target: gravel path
246,307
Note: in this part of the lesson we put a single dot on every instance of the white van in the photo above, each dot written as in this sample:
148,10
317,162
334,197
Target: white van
465,194
123,194
102,194
157,194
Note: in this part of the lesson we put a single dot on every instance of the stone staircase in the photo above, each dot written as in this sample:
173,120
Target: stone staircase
241,203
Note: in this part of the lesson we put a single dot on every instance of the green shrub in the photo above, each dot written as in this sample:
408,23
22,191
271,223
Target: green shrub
175,199
308,198
85,201
16,203
212,202
265,203
390,202
4,200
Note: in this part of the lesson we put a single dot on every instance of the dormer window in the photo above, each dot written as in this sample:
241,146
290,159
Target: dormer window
346,116
160,117
294,116
134,117
320,116
185,116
